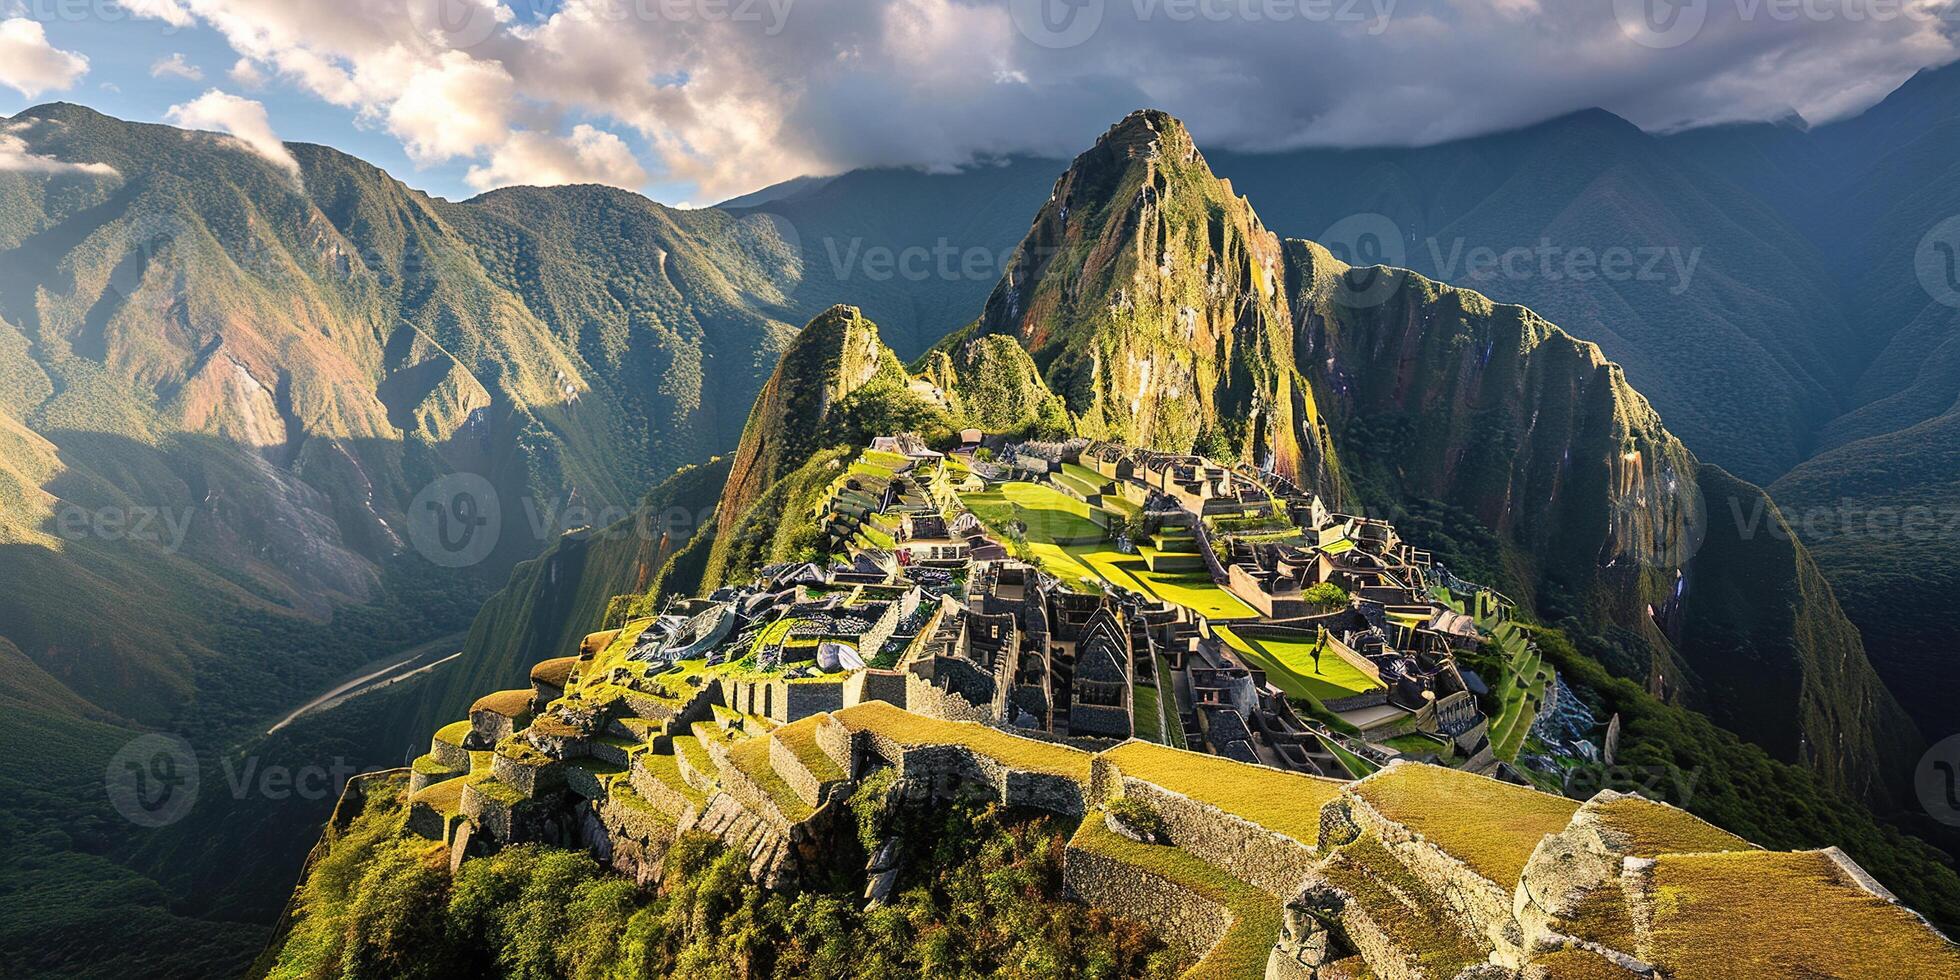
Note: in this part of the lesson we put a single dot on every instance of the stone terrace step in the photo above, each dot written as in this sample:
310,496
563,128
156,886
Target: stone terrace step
1396,920
696,767
1201,908
658,779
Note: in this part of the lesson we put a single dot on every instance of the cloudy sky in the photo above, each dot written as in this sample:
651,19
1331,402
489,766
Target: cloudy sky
693,101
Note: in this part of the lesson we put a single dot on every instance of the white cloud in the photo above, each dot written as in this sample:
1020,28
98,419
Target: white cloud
176,67
732,96
29,64
453,107
15,156
588,156
245,73
243,119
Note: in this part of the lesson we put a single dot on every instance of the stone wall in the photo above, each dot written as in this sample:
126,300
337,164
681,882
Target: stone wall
923,697
875,685
1480,905
1273,863
801,780
805,698
1184,920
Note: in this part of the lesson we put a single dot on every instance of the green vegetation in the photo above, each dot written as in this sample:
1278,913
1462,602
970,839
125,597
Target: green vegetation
1196,592
1292,666
1256,917
982,896
1013,751
1489,825
1356,766
1283,802
1048,515
1148,712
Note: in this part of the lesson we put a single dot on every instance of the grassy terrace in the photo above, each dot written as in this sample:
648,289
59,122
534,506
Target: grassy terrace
1149,716
912,730
1290,666
1489,825
1242,952
1713,913
697,757
1050,515
1196,592
1521,691
1173,716
1284,802
751,756
667,769
1653,829
1356,766
801,738
454,732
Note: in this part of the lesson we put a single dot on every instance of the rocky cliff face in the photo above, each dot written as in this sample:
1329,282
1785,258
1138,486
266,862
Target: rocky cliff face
1151,299
1684,575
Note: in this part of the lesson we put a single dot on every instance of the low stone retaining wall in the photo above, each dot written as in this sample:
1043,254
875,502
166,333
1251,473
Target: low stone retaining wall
1273,863
1479,904
922,697
1185,920
792,770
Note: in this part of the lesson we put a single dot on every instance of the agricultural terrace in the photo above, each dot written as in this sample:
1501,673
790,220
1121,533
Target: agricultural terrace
1194,591
1489,825
1256,916
1758,914
914,731
1284,802
1290,665
1047,513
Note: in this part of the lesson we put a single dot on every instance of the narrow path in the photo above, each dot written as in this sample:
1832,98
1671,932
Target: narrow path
415,661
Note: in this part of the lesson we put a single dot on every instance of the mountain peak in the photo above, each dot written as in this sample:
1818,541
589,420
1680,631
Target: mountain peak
1149,296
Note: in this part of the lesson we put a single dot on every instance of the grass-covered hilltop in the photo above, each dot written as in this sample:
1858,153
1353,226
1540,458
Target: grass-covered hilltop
1004,706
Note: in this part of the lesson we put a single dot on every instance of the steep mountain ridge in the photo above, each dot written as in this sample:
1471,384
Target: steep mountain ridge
1149,295
1680,573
